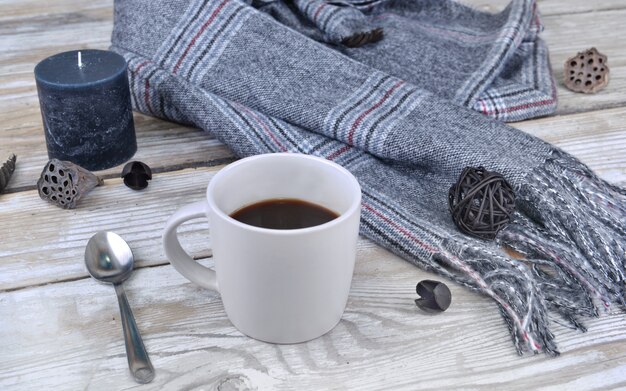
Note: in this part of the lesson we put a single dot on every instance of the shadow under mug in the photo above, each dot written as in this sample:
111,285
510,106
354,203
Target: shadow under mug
279,286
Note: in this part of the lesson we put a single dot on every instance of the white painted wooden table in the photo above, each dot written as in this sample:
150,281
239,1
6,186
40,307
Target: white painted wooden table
60,330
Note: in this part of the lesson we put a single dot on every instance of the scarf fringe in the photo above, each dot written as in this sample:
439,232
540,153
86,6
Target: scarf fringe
571,228
511,285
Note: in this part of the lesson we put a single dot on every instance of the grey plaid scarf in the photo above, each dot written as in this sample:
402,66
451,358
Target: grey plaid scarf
405,114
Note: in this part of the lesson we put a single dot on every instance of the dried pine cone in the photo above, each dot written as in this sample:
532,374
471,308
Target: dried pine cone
64,183
6,171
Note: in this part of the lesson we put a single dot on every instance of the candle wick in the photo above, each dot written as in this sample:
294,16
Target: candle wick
80,62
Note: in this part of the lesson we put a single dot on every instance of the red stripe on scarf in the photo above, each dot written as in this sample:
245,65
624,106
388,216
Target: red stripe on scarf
483,106
141,66
366,112
265,127
318,10
406,233
544,102
338,152
146,95
199,33
520,107
427,247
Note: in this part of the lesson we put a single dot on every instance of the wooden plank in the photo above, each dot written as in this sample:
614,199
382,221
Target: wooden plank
94,34
20,9
46,244
76,27
68,336
601,30
598,138
160,144
20,110
551,7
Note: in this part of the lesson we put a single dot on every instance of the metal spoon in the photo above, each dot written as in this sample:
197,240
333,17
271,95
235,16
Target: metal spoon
109,259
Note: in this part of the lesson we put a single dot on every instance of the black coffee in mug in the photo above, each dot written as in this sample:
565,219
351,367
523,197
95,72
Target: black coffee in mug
284,213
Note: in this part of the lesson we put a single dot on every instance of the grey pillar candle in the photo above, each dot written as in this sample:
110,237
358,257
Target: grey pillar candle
85,107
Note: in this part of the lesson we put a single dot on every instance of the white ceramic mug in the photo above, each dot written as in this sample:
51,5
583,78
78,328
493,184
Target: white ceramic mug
279,286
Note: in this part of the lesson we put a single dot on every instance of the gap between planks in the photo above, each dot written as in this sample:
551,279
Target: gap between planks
79,278
47,243
166,168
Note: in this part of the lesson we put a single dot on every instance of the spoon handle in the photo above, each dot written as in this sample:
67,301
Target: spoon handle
138,360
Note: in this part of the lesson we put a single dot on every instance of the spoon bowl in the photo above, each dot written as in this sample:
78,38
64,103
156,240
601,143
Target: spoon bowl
108,258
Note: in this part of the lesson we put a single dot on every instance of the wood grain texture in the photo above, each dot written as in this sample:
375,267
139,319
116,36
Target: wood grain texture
598,138
551,7
46,243
70,338
156,139
570,34
22,38
60,329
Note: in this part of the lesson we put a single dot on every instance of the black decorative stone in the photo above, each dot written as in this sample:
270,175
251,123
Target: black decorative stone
435,296
86,110
136,175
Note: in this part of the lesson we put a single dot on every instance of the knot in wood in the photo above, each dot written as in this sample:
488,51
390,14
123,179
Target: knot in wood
481,202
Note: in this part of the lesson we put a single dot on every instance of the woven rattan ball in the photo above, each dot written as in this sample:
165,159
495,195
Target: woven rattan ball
481,202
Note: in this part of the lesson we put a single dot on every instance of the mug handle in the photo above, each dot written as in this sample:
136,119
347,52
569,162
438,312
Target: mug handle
183,262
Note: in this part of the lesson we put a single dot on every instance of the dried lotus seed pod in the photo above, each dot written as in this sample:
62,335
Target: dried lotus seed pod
6,171
587,72
64,183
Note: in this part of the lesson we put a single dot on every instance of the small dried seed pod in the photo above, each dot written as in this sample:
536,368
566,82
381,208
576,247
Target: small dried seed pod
136,175
586,72
64,183
6,171
435,296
